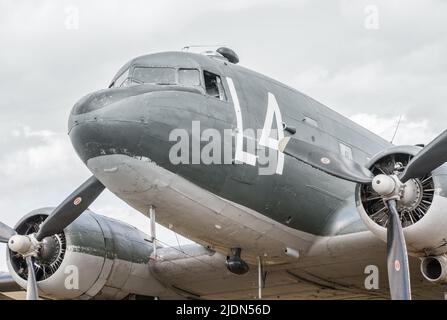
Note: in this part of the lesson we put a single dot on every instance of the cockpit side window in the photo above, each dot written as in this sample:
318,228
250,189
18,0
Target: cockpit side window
121,79
154,75
189,77
213,85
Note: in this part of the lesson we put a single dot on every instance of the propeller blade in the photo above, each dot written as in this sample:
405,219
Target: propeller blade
428,159
71,208
6,232
330,162
397,258
31,284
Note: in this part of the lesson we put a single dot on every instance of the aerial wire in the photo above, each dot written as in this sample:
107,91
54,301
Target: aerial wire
397,127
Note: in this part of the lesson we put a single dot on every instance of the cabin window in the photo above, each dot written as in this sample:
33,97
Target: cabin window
189,77
346,151
154,75
214,86
310,121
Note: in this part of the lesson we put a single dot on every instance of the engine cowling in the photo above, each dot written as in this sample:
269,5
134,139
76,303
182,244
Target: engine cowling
94,257
423,215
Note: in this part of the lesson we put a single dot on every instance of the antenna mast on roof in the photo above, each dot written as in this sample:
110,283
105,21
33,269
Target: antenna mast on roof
186,48
397,127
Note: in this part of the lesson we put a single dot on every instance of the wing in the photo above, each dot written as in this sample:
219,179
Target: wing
9,289
339,273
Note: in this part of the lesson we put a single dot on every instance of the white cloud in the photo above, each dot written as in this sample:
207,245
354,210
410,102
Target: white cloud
386,88
44,151
408,132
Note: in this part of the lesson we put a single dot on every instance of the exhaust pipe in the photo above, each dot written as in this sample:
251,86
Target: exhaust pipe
434,269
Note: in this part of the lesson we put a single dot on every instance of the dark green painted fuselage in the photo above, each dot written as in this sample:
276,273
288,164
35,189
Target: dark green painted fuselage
138,120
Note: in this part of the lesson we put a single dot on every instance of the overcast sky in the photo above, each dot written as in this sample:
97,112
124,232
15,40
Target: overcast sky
372,61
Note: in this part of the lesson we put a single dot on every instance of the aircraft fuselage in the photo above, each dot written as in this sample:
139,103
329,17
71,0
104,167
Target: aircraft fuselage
140,122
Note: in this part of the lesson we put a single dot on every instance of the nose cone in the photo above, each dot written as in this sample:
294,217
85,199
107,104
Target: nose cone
135,121
86,104
129,122
100,99
20,244
105,128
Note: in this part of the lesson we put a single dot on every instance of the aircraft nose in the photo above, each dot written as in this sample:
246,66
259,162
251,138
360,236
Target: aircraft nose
135,122
102,123
86,104
98,100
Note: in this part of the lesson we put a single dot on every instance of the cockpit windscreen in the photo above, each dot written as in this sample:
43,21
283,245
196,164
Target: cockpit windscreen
159,76
154,75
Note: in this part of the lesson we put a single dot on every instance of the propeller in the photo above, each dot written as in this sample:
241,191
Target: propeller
28,246
397,257
70,208
31,283
6,232
428,159
391,188
325,160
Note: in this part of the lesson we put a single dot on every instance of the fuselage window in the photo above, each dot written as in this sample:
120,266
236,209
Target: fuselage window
346,151
189,77
154,75
214,86
310,121
121,79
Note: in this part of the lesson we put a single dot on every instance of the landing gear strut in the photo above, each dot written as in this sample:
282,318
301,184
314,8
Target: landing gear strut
153,231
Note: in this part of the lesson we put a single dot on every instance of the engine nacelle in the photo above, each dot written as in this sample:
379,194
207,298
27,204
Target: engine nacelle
424,218
94,257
